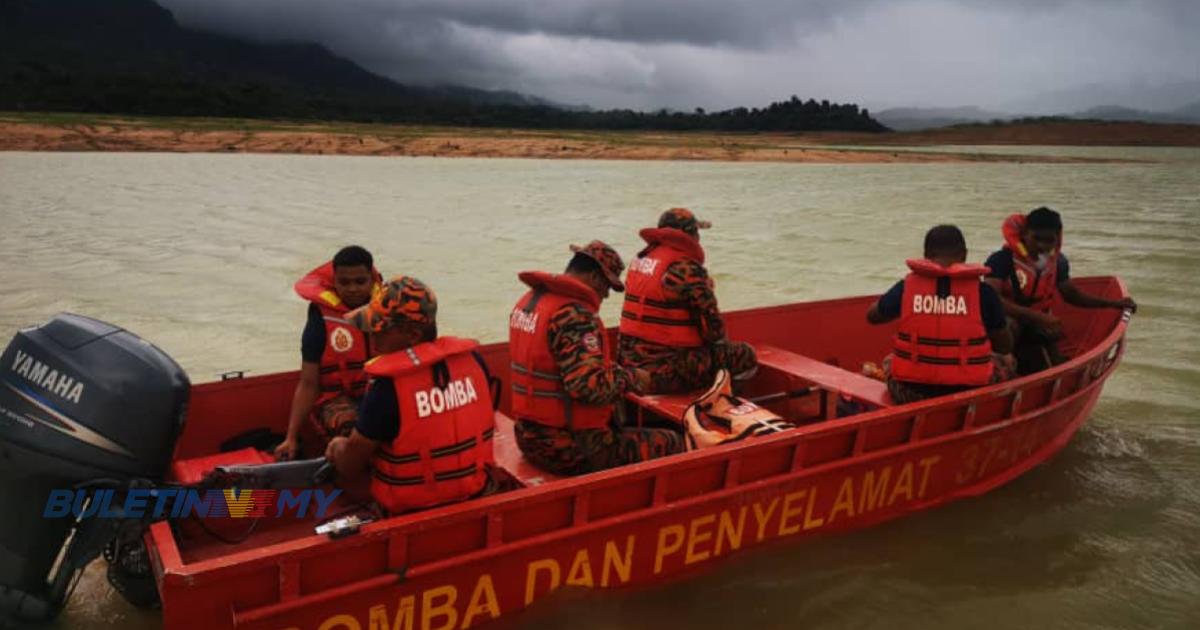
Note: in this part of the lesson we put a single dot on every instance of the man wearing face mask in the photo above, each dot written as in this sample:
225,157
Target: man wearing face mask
1030,272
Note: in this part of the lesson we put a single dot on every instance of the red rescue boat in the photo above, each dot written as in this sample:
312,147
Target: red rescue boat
462,565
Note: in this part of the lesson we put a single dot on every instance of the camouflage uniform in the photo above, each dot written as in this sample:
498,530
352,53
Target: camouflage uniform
338,415
575,336
675,369
905,392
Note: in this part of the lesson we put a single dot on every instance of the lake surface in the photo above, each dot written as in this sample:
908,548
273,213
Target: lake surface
198,253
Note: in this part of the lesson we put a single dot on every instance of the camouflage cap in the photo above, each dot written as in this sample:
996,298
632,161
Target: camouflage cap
403,299
608,259
682,219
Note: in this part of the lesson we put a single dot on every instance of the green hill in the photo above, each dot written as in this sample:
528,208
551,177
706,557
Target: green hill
132,57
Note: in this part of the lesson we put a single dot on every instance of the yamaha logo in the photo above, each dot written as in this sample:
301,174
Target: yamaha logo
61,384
342,340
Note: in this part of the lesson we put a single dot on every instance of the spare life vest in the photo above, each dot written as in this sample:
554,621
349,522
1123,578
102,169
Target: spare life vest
346,349
941,339
718,417
444,444
649,313
1027,285
537,386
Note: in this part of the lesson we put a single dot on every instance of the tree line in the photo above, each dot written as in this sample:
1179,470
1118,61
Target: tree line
132,57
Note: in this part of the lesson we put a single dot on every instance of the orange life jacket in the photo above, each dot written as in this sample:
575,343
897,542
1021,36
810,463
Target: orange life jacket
537,385
446,427
346,350
649,313
718,417
1029,286
941,339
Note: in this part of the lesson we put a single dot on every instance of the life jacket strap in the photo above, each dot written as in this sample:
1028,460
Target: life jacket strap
920,358
521,369
943,342
445,451
448,475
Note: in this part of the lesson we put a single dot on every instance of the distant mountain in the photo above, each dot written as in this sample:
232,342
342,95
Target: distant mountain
1139,95
132,57
1189,114
921,118
917,118
1112,112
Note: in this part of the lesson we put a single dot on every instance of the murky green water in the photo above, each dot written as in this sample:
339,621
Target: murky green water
198,253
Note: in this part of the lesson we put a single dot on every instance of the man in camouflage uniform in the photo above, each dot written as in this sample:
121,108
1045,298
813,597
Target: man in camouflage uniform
566,387
670,323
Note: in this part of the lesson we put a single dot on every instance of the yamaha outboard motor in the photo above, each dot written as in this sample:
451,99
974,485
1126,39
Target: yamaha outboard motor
83,404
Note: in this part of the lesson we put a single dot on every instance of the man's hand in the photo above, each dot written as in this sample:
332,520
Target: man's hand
1125,303
351,456
287,450
1008,363
1049,323
334,449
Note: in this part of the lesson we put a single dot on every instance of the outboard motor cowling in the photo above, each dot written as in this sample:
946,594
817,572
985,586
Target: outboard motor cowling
81,401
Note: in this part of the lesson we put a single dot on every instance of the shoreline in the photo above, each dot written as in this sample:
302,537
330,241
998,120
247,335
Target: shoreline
83,132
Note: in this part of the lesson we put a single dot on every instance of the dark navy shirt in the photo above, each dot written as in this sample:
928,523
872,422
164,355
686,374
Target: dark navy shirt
991,311
312,341
379,411
1001,264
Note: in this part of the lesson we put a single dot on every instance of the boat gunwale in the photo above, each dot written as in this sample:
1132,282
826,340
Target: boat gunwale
172,567
555,537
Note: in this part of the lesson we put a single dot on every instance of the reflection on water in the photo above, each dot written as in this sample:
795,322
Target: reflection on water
198,253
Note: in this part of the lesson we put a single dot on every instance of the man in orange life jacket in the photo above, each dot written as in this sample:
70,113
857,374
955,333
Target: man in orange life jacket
332,351
425,426
565,385
670,323
1030,272
952,334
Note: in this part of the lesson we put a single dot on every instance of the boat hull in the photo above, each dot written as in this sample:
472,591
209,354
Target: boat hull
463,565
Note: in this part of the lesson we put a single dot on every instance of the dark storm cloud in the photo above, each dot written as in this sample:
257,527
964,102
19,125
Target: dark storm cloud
697,22
683,53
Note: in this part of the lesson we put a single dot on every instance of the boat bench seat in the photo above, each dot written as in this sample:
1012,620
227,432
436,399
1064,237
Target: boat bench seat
822,375
508,455
828,377
665,406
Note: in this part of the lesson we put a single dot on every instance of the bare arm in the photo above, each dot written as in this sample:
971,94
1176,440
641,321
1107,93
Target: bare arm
307,390
1002,340
1073,296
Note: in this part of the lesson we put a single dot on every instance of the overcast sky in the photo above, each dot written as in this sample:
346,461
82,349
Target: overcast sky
643,54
